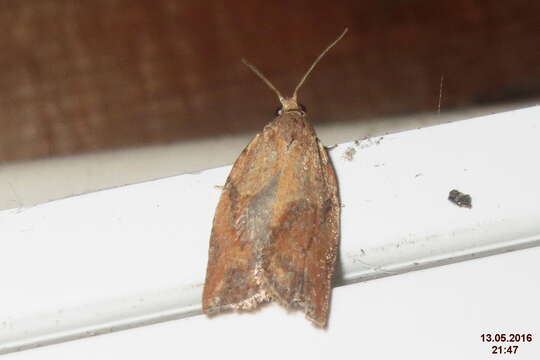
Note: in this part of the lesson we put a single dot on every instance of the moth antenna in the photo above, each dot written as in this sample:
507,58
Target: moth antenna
317,60
263,78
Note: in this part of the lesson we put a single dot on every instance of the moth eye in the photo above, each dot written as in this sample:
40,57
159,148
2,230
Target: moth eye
303,107
278,111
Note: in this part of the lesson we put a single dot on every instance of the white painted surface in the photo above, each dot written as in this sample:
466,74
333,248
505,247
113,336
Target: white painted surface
137,254
438,313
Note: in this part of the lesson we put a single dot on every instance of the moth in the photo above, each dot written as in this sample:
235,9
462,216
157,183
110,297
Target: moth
276,227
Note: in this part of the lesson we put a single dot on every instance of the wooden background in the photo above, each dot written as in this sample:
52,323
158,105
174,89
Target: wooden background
79,76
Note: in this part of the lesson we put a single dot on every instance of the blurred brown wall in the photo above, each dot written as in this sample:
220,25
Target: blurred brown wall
79,76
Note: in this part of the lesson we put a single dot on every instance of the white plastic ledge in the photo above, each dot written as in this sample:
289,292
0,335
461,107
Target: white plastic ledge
137,254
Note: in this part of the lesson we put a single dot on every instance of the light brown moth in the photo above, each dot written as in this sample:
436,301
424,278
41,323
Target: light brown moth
276,228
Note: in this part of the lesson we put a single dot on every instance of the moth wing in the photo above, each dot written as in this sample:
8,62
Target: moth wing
299,259
240,224
276,227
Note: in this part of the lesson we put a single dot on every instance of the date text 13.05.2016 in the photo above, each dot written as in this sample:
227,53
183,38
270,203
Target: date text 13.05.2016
506,338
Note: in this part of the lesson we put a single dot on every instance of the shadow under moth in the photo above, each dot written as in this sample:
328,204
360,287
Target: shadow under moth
276,227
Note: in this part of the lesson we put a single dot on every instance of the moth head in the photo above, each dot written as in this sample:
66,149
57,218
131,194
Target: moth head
291,104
